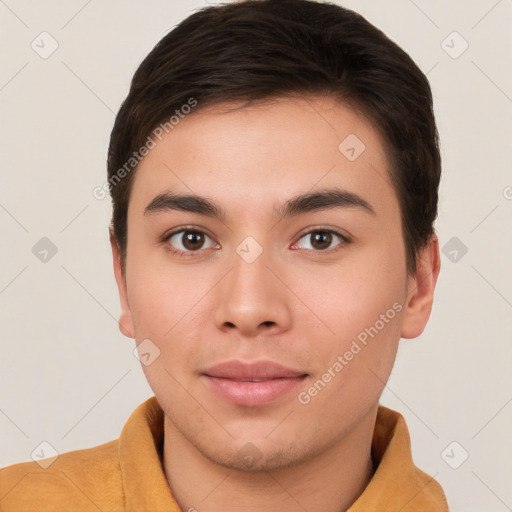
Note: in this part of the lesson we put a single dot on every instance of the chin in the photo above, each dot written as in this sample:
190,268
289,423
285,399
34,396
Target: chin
251,459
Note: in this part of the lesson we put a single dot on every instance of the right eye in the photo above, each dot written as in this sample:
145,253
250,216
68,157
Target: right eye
186,242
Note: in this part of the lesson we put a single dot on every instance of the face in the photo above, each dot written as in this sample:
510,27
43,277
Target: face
250,276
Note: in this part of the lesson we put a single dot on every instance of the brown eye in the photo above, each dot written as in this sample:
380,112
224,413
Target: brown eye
322,239
186,242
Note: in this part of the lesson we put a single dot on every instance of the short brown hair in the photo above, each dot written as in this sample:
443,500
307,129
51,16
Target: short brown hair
256,50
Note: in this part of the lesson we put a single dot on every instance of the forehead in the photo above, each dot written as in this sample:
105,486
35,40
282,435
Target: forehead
252,159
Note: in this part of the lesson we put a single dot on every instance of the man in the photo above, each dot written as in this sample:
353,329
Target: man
274,174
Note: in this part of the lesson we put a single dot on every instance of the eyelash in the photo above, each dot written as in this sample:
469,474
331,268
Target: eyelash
187,254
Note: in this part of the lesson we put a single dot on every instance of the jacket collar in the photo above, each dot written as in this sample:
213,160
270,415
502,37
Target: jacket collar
397,485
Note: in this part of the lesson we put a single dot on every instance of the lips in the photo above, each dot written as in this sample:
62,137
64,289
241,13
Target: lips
259,371
252,384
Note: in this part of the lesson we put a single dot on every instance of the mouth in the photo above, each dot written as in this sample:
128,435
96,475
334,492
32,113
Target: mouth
252,384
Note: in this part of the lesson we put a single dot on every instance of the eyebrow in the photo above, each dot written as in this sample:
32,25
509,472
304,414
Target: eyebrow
304,203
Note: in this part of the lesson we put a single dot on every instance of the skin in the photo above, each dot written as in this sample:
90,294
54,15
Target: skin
296,304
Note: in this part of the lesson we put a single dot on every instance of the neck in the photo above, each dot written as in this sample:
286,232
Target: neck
330,482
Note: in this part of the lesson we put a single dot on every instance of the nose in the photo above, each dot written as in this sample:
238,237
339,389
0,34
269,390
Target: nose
254,298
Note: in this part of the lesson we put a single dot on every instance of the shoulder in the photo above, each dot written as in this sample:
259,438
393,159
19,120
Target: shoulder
90,479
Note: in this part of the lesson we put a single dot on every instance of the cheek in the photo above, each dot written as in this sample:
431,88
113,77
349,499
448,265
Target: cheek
353,297
163,296
362,303
164,304
364,310
169,305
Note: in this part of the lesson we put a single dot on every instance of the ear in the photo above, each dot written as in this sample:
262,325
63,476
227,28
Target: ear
125,320
420,290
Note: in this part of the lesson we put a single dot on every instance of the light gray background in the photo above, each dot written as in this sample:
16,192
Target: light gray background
69,377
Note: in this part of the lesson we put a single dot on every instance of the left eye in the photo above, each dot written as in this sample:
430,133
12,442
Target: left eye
322,239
